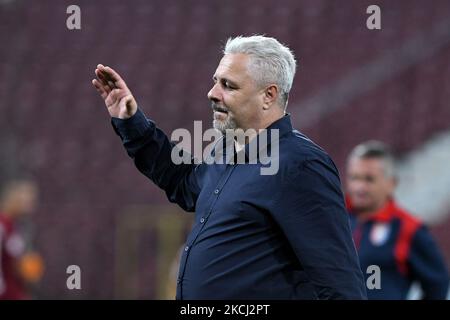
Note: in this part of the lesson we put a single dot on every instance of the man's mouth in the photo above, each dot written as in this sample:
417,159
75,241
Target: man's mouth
220,113
220,109
220,116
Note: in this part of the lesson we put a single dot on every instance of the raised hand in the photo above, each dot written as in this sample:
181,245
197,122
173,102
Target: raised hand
114,91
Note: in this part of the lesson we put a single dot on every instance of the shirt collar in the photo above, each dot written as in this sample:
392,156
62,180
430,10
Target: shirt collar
384,214
283,125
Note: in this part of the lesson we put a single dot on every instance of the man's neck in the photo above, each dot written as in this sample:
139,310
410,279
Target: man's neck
268,121
263,125
367,213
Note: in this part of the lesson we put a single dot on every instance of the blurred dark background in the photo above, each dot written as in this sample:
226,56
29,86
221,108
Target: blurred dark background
98,212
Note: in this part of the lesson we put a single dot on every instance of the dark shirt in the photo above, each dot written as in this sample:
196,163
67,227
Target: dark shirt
280,236
404,250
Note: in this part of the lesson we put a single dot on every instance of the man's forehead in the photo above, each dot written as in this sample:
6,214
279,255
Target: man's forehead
232,65
369,164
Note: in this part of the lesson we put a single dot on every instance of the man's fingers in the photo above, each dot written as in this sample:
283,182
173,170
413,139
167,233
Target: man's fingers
101,77
110,85
107,85
113,76
105,79
100,88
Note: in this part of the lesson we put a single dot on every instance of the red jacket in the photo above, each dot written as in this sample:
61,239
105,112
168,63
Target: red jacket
11,249
404,250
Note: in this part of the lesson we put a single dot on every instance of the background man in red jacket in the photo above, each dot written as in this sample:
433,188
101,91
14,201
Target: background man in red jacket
386,235
19,266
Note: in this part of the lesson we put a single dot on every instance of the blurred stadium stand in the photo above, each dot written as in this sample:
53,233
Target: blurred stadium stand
352,85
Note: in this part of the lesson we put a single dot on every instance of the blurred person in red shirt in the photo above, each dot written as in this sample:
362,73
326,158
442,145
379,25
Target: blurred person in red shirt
386,235
19,266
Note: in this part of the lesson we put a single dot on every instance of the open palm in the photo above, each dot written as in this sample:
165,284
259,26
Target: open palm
114,91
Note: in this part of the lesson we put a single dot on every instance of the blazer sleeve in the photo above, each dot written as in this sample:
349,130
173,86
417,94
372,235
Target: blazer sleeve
151,151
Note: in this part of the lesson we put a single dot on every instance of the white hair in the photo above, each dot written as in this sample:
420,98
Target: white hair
271,62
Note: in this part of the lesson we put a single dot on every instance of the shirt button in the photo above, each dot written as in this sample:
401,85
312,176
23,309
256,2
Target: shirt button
216,191
202,220
186,248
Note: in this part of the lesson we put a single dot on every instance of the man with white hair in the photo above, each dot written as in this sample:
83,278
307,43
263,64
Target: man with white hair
280,236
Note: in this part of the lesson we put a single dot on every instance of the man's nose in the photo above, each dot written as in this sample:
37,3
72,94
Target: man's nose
360,186
355,184
214,94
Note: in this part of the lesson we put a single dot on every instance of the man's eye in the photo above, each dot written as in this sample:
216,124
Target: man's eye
227,85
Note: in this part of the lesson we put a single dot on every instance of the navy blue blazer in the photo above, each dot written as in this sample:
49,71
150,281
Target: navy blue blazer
280,236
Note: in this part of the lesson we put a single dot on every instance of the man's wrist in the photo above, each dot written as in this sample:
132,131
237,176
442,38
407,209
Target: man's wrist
132,128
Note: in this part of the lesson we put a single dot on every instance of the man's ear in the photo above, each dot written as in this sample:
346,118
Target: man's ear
392,184
395,181
270,96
